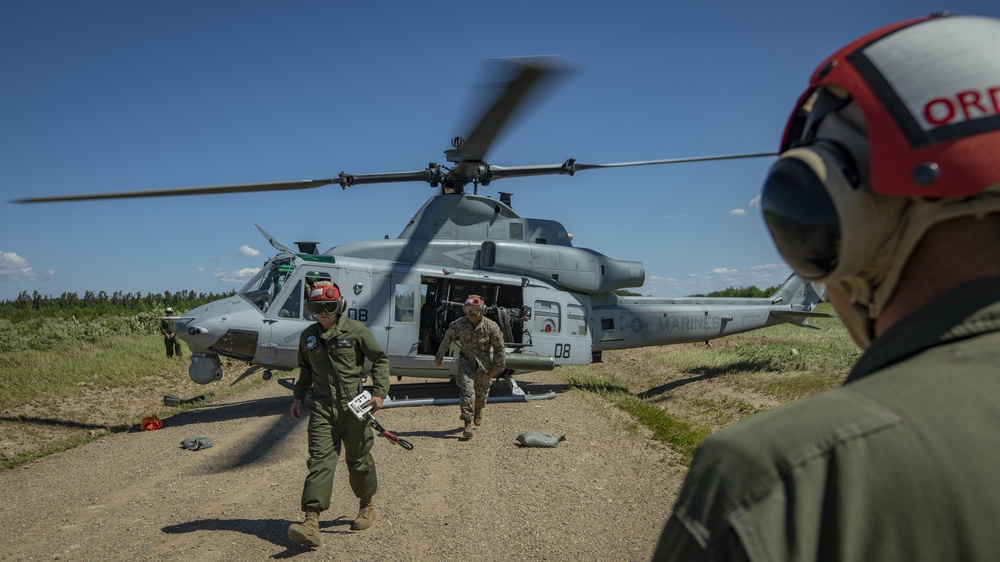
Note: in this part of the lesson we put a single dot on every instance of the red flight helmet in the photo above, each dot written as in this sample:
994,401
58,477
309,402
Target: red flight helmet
474,304
325,297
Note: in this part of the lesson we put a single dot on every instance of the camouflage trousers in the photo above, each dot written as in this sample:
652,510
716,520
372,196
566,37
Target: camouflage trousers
330,427
473,389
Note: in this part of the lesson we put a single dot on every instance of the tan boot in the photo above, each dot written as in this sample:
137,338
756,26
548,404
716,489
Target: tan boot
468,430
307,532
478,419
366,515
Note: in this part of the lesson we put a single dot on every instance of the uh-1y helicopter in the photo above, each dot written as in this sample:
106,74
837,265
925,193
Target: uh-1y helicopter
554,302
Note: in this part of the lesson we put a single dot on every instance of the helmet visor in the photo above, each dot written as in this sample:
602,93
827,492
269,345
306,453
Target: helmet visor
321,307
802,218
472,309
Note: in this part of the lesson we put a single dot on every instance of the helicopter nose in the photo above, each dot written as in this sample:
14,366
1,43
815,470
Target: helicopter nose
230,326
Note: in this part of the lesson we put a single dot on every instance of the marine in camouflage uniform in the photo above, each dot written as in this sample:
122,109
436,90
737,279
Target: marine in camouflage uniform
331,423
477,336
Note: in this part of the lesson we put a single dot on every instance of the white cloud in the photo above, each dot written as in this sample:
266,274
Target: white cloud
769,267
755,202
723,271
248,252
737,212
15,268
238,276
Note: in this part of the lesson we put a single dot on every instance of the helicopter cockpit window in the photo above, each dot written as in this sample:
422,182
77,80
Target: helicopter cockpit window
264,286
547,317
293,304
404,302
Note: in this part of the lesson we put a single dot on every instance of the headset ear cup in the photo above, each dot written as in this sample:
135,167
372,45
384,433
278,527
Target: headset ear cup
343,304
823,218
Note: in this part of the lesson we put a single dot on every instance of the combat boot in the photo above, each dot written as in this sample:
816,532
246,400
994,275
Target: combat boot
468,430
478,418
366,515
307,532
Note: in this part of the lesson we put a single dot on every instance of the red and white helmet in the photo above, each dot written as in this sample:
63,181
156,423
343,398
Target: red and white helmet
897,131
474,304
325,297
929,91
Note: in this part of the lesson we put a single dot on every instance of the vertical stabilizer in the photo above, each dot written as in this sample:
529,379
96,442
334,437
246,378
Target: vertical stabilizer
799,292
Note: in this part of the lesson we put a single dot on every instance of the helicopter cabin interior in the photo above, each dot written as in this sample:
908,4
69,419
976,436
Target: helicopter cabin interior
442,301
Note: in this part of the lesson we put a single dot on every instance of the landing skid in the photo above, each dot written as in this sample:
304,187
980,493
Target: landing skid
516,395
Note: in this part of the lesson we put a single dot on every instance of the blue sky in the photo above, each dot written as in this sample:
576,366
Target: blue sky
104,96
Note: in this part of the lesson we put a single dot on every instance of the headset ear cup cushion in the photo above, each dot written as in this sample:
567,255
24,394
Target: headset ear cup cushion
836,156
861,215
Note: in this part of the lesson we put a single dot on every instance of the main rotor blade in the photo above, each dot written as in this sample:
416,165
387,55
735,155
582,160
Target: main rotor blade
240,188
571,166
676,160
521,78
344,180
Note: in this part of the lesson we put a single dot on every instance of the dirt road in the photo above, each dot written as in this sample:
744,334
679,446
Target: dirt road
603,494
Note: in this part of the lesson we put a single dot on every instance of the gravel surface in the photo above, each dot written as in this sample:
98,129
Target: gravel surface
603,494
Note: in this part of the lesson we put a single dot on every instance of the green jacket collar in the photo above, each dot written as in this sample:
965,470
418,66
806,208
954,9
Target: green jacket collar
965,312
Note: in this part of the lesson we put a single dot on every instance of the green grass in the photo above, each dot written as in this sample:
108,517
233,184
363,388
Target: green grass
70,368
680,435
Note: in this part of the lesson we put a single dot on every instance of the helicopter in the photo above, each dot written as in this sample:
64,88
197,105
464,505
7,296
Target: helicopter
555,303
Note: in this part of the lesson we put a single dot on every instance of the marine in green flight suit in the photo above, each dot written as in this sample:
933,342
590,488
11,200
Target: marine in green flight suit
889,196
821,478
336,339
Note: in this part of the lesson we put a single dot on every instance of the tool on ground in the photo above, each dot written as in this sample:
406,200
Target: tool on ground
171,400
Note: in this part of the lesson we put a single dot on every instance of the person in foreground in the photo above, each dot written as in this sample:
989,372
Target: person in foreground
332,354
887,190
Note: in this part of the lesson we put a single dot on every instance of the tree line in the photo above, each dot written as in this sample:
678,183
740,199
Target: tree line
93,305
729,292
